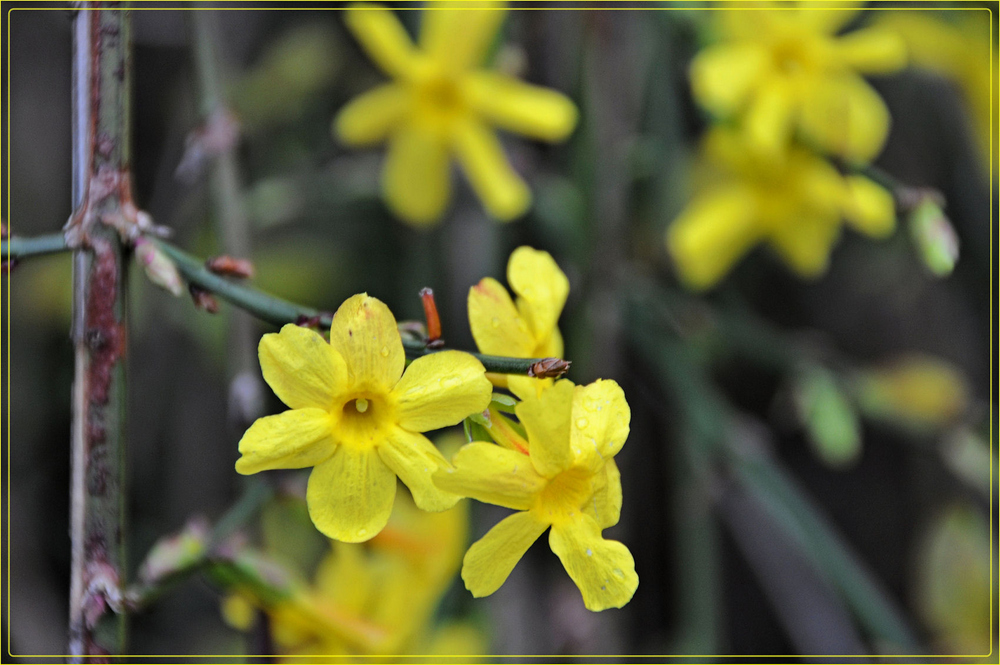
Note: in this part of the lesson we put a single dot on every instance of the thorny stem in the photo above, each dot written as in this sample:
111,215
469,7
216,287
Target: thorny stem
102,206
277,311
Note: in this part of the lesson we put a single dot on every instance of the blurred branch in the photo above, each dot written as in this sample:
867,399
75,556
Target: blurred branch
711,421
245,388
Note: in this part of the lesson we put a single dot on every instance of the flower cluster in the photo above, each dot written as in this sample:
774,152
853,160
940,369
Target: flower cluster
357,417
439,104
789,89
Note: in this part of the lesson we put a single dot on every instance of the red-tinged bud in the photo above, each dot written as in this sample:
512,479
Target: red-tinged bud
230,267
203,300
549,368
433,320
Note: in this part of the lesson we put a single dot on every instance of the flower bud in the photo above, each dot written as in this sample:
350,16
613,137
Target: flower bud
828,417
158,266
934,236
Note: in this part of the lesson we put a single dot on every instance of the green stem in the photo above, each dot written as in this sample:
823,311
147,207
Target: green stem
279,312
19,248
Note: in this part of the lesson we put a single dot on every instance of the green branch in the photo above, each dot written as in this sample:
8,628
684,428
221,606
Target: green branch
14,248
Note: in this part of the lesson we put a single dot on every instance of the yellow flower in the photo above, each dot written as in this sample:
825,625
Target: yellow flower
795,205
356,416
787,70
529,328
568,481
439,104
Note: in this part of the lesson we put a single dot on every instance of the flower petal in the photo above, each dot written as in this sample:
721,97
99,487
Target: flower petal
491,474
503,192
439,390
723,76
497,326
369,118
769,119
805,243
301,367
415,459
383,37
344,578
600,420
546,420
541,286
711,234
294,439
603,570
521,108
350,495
873,51
416,179
364,332
489,561
460,38
606,504
845,116
869,207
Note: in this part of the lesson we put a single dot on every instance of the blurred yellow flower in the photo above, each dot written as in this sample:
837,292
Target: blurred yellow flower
786,70
356,416
377,598
529,329
440,104
795,205
568,481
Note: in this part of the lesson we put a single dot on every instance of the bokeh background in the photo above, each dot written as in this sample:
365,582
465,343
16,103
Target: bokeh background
732,548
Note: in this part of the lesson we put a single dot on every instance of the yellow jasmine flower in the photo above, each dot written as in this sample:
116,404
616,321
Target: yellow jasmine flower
788,70
356,416
439,104
568,482
795,205
529,328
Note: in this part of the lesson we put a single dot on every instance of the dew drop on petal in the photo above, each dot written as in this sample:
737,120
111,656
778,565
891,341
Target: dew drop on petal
582,422
495,322
385,351
590,552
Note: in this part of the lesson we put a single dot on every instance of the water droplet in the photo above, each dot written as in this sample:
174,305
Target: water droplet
618,572
603,588
495,322
590,552
361,404
582,422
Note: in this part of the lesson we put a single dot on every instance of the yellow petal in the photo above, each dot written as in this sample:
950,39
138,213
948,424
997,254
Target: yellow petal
294,439
503,192
870,207
415,459
519,107
416,178
439,390
769,119
603,570
460,38
344,578
238,612
711,234
496,324
383,37
489,561
600,422
828,21
606,504
301,367
526,387
805,243
546,420
369,118
723,76
541,286
491,474
844,116
873,50
350,495
364,332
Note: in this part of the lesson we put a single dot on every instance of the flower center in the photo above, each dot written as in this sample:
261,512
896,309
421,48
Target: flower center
438,99
361,420
566,494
